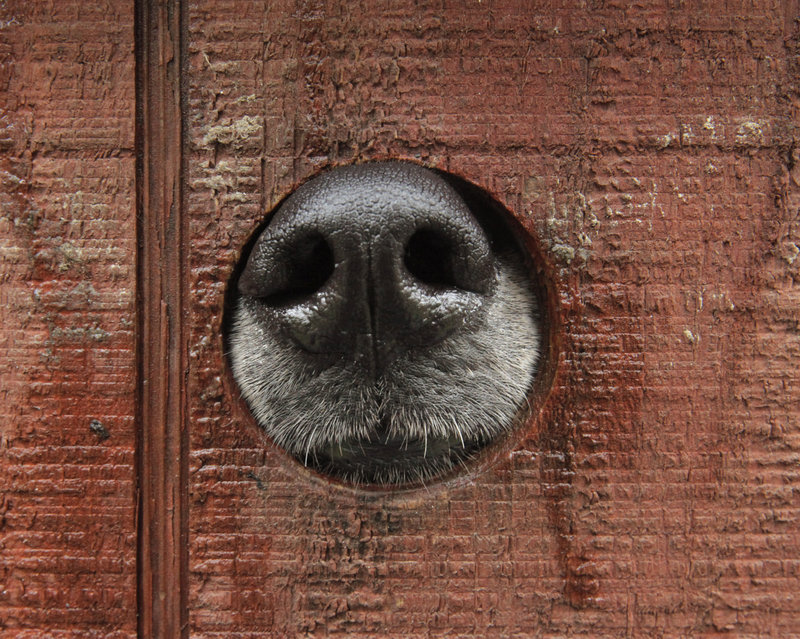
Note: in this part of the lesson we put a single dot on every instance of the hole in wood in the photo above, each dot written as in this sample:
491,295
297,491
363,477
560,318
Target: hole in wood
383,325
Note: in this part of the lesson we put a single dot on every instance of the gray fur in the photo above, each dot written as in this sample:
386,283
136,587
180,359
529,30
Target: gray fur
365,352
465,389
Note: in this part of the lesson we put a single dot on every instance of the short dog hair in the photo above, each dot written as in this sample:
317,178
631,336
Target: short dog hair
436,403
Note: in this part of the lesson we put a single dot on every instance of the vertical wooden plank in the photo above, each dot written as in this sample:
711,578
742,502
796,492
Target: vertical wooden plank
67,295
162,347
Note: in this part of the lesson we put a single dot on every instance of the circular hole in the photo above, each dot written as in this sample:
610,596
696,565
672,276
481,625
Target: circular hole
363,430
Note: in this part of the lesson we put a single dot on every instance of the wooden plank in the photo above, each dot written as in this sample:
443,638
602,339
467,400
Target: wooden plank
162,346
67,350
648,148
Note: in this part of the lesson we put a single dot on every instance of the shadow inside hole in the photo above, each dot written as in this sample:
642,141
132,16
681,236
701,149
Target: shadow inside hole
427,257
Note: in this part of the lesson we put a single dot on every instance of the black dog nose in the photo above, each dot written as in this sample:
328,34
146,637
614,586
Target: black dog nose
372,260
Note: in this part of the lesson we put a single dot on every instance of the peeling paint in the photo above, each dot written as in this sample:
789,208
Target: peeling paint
750,133
232,131
692,338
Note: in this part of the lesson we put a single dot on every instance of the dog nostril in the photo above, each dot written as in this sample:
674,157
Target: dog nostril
307,264
429,257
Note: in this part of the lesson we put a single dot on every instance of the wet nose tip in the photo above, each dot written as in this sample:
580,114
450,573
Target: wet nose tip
380,258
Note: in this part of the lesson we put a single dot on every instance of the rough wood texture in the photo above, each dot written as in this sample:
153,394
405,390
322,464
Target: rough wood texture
161,290
67,249
652,150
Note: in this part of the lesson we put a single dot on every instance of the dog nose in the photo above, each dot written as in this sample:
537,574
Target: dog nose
371,262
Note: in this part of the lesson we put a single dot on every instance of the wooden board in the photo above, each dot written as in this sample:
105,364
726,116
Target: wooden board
67,320
649,150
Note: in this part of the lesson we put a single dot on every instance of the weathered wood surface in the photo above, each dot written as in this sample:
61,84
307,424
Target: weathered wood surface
652,149
67,350
162,347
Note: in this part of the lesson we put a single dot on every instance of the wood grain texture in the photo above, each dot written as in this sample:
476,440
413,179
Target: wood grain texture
162,346
649,148
651,152
67,277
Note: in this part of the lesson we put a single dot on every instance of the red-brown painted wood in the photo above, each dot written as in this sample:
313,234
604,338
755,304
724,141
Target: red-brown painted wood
67,349
650,150
161,297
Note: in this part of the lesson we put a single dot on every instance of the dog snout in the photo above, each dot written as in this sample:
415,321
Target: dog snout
371,262
385,328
